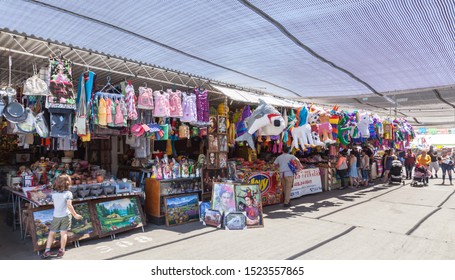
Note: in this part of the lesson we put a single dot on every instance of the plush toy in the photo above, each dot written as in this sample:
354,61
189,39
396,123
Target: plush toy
363,125
302,133
325,128
265,118
316,139
343,129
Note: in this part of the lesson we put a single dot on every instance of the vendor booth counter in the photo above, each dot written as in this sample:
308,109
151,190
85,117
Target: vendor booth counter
103,215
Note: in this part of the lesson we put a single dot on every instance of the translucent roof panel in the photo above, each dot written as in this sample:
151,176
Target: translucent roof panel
307,48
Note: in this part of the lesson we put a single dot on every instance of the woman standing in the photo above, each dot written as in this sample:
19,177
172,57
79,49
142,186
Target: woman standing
446,166
409,163
342,168
353,174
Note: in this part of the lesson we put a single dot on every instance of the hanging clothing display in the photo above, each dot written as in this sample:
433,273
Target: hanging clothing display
175,101
189,108
145,99
130,101
61,81
162,106
202,102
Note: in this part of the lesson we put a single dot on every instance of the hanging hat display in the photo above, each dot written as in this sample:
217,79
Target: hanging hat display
15,112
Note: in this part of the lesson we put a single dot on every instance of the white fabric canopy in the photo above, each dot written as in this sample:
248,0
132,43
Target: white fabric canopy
293,49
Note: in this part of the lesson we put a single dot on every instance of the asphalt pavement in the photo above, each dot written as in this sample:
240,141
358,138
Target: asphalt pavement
381,222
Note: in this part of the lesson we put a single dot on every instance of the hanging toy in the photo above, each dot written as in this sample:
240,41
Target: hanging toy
265,118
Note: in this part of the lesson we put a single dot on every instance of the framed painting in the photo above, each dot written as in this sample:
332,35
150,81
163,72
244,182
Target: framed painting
213,143
248,200
223,198
235,221
40,220
223,143
222,124
118,214
213,218
222,160
181,209
212,160
202,207
213,127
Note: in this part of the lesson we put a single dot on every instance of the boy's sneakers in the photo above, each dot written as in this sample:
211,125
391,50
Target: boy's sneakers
60,253
46,254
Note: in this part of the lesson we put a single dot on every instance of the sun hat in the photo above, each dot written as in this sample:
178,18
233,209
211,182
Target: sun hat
15,112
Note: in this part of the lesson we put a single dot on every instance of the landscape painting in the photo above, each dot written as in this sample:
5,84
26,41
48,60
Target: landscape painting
41,219
181,209
118,215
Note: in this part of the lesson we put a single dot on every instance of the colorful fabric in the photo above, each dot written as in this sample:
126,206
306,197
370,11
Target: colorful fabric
175,102
162,106
130,101
189,108
203,110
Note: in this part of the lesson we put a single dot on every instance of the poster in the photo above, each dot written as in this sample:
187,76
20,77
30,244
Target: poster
269,185
307,181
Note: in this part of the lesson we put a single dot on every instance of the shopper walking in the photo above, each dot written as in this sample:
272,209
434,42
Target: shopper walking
342,168
63,211
287,177
434,165
446,166
409,163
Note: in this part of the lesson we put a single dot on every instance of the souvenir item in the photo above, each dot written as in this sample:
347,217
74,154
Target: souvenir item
117,215
223,198
302,133
266,118
162,106
145,99
202,102
248,200
181,209
235,221
35,86
175,101
15,112
189,108
213,218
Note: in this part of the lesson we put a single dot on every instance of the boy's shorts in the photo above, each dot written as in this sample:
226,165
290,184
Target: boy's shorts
61,224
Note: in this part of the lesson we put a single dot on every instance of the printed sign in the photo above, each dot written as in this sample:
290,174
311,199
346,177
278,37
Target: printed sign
307,181
268,184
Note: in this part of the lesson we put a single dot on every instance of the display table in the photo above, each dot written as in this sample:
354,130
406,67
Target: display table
270,184
104,215
307,181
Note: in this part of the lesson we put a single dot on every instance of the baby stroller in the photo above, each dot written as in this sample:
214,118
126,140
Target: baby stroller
395,172
421,175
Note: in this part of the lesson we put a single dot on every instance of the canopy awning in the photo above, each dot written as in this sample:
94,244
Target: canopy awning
251,98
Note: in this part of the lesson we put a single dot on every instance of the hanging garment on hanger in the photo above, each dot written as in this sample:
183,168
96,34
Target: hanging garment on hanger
109,119
175,101
102,117
130,101
202,102
90,80
118,117
162,106
189,108
145,99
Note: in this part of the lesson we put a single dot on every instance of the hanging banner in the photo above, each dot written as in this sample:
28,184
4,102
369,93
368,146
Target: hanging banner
307,181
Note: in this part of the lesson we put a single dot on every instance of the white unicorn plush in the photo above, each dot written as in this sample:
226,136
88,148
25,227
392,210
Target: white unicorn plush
302,133
363,124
